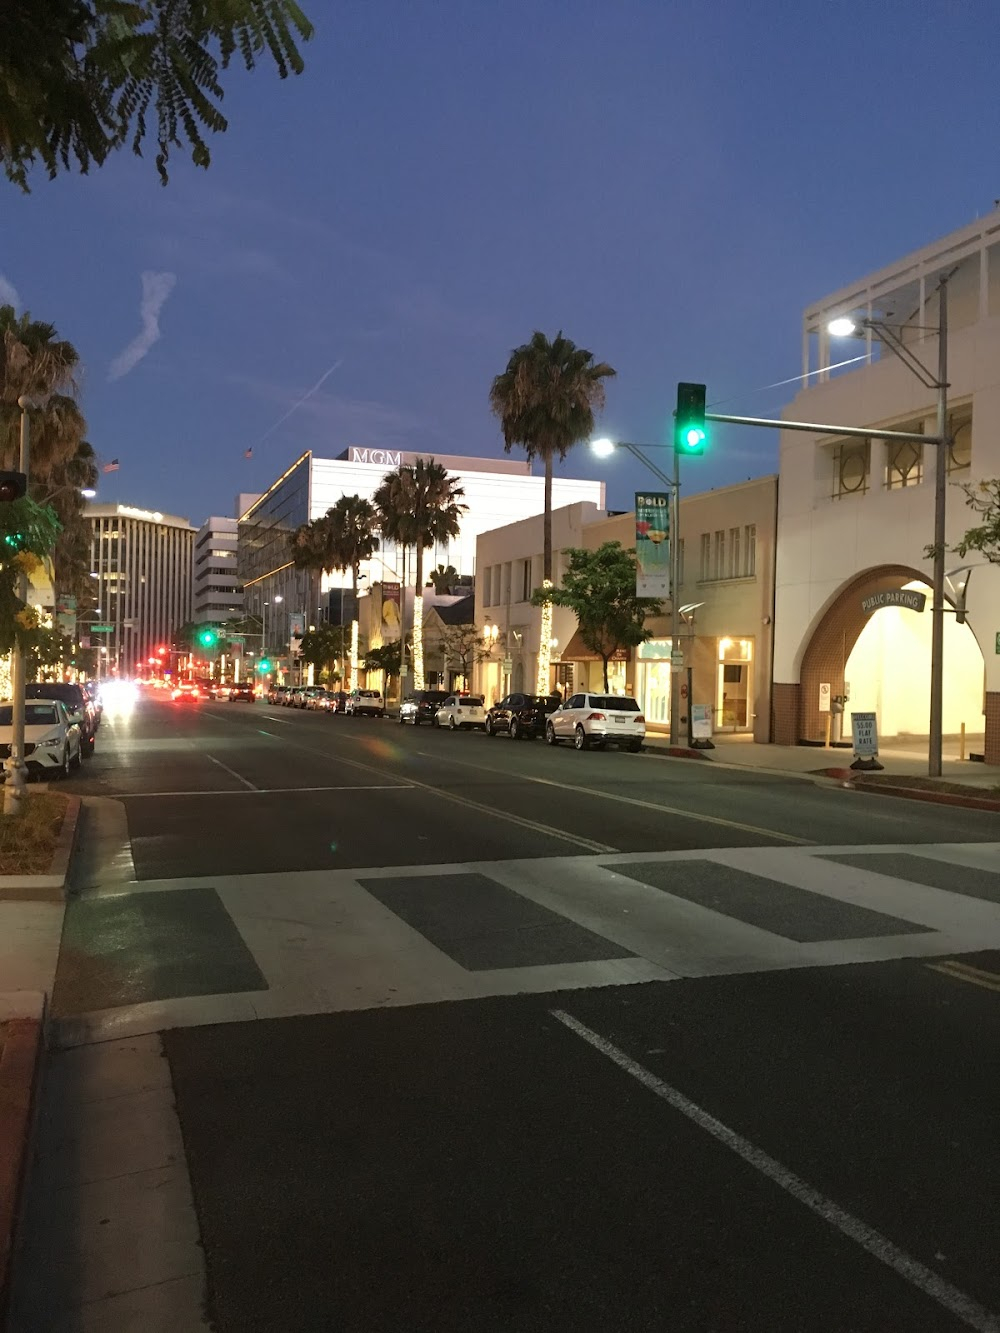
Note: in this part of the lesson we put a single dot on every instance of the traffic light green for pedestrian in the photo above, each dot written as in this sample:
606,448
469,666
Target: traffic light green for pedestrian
208,638
263,665
690,435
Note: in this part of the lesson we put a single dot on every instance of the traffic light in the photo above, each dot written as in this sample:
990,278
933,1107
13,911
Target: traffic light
208,638
690,436
263,665
13,486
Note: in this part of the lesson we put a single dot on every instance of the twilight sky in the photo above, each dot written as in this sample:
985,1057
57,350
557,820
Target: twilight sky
669,182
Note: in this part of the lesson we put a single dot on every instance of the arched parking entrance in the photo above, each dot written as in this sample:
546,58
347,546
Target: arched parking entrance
890,671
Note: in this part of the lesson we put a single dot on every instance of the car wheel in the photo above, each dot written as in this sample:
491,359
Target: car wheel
581,740
87,745
77,759
402,719
452,724
489,728
550,734
416,720
64,765
515,731
634,747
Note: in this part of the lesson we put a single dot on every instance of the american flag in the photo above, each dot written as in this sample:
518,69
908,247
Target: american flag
110,467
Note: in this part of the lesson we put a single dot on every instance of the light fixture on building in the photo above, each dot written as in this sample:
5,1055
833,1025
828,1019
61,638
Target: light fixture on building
490,634
842,327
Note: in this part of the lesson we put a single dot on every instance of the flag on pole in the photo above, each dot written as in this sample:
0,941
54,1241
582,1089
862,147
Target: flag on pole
248,453
110,467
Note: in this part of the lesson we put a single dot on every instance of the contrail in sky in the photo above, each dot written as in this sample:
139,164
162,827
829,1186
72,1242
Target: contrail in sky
305,397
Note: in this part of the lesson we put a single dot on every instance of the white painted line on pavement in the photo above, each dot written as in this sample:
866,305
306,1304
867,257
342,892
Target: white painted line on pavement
262,791
232,772
880,1247
633,800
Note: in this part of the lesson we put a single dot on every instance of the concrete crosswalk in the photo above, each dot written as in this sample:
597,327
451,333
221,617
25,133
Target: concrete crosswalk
228,948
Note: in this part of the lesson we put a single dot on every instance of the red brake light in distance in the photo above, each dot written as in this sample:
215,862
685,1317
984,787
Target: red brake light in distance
596,717
641,719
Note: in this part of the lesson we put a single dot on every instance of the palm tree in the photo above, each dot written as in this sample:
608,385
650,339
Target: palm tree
443,579
419,504
341,540
36,365
545,401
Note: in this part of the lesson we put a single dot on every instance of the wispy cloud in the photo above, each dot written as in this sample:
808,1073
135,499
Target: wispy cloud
8,293
156,287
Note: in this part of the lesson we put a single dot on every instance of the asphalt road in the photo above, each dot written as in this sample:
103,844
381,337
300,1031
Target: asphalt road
810,1148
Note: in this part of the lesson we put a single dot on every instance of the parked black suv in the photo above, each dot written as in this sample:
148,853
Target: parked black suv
78,705
521,716
421,706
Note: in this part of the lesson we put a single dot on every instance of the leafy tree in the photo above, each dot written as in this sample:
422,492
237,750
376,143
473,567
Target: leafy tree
342,539
443,579
545,401
45,648
463,644
419,504
984,499
385,657
599,588
81,78
325,646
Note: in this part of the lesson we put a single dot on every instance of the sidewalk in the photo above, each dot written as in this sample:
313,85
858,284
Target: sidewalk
900,756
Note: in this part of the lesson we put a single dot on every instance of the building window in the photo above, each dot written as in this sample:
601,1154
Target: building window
526,589
505,585
680,562
719,551
750,550
706,556
851,467
905,464
734,553
488,586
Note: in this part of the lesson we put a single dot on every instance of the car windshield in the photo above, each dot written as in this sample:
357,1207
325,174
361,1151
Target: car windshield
35,715
540,701
615,703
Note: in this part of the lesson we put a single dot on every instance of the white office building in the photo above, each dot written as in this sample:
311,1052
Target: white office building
140,560
855,515
497,492
216,593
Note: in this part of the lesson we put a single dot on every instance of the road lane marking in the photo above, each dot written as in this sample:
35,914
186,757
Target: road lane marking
632,800
975,976
232,773
951,1298
588,844
262,791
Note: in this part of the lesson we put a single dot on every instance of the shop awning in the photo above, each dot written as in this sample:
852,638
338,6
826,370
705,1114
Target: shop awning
577,651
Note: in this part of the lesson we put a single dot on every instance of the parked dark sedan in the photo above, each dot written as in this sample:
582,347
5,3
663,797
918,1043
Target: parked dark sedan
520,716
421,706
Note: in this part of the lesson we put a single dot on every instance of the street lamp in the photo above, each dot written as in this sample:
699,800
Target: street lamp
845,326
605,448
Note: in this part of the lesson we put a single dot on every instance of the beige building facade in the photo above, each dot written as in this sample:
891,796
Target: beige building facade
726,561
856,515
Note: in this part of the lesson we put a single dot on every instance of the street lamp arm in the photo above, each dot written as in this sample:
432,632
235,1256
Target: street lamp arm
820,428
900,349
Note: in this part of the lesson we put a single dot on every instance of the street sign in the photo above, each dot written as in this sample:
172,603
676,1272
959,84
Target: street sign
824,697
864,730
508,665
101,629
677,659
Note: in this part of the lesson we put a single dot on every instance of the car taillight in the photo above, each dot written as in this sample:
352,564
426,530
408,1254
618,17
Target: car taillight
596,717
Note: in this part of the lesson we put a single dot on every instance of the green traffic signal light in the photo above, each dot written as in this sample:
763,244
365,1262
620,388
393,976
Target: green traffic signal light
208,638
263,665
690,435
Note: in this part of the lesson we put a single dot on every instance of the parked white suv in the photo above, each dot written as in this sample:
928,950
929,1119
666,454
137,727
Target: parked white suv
52,742
598,720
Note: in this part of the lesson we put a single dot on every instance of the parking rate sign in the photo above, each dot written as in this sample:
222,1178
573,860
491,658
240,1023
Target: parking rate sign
864,730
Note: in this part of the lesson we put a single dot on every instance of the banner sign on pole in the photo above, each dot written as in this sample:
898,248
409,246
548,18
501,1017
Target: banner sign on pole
652,544
390,611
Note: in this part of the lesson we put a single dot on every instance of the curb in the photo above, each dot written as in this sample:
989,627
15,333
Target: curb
52,886
20,1066
675,752
935,797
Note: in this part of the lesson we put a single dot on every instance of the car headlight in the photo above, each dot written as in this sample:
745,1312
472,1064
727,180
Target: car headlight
51,740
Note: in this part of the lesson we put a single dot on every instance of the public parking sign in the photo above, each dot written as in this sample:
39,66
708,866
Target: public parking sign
864,730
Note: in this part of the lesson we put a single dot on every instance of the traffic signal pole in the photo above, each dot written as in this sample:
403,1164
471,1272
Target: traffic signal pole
15,787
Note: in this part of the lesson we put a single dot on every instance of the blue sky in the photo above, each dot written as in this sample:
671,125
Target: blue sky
668,183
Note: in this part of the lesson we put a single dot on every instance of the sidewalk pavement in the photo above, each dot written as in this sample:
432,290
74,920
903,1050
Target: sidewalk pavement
900,757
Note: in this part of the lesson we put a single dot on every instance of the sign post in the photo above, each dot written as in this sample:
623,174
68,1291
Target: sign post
864,732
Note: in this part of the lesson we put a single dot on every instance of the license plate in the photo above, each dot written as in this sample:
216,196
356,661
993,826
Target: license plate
620,721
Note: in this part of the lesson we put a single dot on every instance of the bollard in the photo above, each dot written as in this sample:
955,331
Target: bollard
829,723
961,741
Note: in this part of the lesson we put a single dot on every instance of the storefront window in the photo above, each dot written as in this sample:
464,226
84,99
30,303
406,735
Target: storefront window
734,695
654,681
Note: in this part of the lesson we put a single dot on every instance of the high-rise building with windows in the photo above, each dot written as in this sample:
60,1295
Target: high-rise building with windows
140,561
216,593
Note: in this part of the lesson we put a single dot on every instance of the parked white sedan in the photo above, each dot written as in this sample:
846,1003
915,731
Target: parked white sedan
461,711
598,720
51,739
